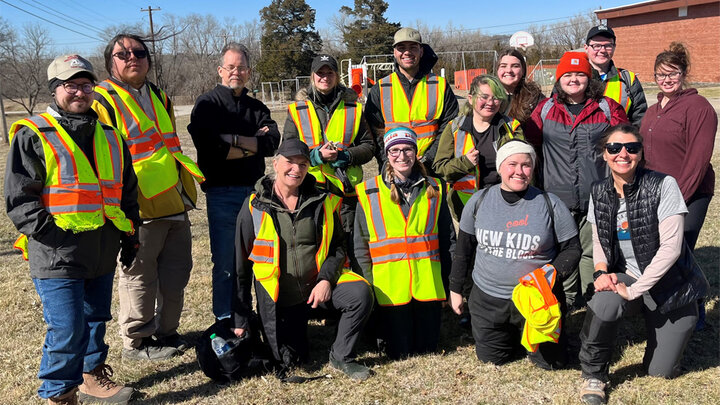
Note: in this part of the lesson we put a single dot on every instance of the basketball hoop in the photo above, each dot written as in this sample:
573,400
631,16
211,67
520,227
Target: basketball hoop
522,40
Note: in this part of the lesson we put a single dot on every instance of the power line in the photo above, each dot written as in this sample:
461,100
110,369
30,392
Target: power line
46,20
60,14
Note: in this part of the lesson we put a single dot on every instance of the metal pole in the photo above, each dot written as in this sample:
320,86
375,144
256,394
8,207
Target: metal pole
467,85
4,120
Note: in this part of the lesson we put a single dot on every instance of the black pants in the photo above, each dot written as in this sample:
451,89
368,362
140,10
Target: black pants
410,329
695,218
353,300
497,327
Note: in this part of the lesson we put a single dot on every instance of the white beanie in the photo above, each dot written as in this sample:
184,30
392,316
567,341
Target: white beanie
513,147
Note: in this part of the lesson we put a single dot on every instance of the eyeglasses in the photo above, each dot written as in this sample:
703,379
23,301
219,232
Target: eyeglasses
488,98
663,76
73,88
125,55
239,69
597,47
632,148
397,152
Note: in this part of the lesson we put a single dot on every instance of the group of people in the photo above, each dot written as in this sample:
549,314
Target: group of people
515,209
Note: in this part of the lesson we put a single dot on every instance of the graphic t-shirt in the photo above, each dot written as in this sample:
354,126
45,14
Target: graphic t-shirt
513,239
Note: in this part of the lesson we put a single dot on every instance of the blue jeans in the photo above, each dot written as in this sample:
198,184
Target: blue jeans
75,311
223,205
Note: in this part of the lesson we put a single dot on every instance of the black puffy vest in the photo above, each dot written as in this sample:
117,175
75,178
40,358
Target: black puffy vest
684,282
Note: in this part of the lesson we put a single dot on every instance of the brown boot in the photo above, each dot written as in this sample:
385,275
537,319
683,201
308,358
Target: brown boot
68,398
97,387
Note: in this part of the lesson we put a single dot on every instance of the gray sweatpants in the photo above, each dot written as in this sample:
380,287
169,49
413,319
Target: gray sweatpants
668,334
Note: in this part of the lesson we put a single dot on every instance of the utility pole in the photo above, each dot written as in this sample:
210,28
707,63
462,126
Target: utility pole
149,10
2,112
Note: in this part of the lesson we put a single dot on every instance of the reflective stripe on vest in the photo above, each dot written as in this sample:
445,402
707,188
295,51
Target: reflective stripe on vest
77,198
464,142
618,90
421,113
154,145
536,302
265,253
405,253
342,128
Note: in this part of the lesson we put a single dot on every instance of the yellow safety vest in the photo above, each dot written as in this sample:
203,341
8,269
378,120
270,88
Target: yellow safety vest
617,89
405,252
421,113
265,253
341,128
154,145
463,141
77,198
535,301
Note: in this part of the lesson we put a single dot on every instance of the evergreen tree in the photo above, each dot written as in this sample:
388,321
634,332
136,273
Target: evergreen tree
289,40
369,32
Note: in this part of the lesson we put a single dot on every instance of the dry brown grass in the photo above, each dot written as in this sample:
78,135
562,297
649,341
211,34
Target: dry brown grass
452,376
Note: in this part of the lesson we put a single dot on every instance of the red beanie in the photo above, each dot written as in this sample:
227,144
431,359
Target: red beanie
573,62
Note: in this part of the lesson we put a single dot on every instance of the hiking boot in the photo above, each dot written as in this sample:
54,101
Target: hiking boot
174,340
352,369
97,387
592,392
68,398
150,350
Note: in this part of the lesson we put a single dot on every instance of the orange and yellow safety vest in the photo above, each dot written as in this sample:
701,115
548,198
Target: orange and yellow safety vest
265,253
341,128
421,112
77,198
617,89
536,302
405,252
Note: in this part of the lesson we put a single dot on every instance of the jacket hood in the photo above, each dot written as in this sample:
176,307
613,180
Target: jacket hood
341,93
427,61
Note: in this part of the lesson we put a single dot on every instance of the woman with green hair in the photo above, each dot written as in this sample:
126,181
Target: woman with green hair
468,146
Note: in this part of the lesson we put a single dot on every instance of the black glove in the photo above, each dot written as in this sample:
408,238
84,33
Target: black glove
129,245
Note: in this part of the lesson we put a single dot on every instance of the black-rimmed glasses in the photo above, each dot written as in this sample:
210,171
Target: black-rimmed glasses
73,88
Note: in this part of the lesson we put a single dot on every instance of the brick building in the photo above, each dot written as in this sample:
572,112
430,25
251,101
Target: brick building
645,29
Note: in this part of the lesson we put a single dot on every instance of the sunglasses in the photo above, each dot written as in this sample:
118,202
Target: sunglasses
125,55
632,148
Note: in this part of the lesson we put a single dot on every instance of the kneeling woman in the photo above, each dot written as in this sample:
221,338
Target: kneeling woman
404,239
512,229
642,265
288,236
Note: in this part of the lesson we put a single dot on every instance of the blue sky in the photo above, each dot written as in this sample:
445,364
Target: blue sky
499,17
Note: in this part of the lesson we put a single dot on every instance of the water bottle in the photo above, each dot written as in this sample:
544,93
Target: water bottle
219,345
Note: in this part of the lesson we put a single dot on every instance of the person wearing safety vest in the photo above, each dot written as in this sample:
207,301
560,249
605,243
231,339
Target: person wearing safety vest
564,128
328,118
290,245
621,85
467,148
404,239
151,288
507,231
411,96
233,133
72,193
522,92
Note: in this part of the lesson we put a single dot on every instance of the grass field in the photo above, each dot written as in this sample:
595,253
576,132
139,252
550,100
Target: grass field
452,376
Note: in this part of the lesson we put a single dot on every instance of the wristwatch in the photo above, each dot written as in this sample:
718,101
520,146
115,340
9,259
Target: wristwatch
598,273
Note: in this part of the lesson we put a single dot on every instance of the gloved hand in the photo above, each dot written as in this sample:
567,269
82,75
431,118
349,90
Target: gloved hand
129,245
343,160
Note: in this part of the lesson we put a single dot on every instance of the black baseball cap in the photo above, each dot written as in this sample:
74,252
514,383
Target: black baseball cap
324,60
602,30
294,147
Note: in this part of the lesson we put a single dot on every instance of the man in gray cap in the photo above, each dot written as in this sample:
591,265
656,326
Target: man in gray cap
412,96
76,208
620,85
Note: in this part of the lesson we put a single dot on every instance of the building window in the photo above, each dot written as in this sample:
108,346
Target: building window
682,11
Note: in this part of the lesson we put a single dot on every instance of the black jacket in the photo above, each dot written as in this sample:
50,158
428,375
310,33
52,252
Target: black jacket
54,252
218,112
684,282
373,109
300,235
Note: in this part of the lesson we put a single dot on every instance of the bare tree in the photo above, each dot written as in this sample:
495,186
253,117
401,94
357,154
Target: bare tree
24,64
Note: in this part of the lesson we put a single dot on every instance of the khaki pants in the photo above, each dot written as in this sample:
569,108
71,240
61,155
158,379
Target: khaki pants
152,289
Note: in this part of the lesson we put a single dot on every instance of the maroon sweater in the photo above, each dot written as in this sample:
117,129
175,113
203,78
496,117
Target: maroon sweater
678,140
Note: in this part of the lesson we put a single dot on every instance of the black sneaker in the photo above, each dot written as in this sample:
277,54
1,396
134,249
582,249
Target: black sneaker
150,350
352,369
174,340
